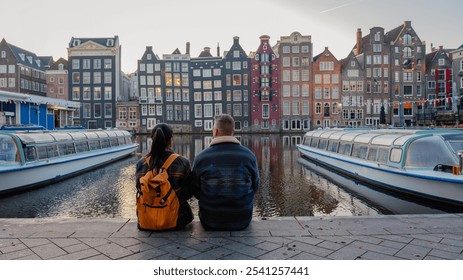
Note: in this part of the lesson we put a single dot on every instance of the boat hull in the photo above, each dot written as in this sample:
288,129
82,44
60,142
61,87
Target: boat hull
447,188
42,173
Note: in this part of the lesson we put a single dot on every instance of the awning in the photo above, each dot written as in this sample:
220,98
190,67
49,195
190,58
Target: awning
6,96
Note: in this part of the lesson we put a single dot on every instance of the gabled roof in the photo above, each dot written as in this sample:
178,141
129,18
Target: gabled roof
325,51
105,41
206,52
55,65
393,34
47,61
27,58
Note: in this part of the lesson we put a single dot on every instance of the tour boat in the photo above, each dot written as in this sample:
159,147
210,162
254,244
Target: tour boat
422,163
31,158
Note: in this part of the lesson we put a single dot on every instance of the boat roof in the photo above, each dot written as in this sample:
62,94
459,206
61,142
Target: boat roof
382,137
59,136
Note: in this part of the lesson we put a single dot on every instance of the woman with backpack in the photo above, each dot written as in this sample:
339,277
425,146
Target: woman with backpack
163,185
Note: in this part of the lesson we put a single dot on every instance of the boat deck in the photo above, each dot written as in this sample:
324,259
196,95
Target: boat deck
399,237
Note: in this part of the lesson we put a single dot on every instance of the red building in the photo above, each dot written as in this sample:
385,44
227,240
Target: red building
327,95
265,111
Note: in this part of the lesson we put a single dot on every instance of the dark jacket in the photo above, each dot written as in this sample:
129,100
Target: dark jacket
225,177
180,179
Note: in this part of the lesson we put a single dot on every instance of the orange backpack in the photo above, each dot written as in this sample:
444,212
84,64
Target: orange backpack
157,203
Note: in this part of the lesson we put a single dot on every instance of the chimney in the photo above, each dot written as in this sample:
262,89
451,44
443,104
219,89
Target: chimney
218,49
187,47
236,40
358,47
407,23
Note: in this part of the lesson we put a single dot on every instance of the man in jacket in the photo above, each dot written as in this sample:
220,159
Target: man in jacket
226,178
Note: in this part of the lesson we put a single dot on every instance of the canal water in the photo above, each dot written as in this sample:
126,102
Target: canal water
290,186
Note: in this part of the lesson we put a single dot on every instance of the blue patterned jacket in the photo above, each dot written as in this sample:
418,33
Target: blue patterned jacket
225,179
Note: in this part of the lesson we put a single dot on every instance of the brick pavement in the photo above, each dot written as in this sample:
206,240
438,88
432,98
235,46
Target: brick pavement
414,237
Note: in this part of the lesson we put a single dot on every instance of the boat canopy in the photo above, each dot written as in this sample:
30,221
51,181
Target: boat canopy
406,148
41,138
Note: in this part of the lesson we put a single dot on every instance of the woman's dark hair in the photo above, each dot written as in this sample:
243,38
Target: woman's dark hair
161,136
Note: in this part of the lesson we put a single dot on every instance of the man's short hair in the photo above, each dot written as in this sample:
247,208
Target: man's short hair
225,124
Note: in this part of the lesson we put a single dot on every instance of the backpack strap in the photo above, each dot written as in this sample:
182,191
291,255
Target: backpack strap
169,160
166,164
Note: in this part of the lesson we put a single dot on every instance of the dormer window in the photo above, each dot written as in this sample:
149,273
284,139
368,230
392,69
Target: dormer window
22,56
38,62
110,42
29,58
76,42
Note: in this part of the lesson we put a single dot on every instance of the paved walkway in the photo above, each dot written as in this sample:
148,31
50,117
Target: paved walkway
301,238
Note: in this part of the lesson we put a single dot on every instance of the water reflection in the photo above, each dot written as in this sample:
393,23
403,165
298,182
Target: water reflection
289,187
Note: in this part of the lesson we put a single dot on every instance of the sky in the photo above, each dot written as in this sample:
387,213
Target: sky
46,27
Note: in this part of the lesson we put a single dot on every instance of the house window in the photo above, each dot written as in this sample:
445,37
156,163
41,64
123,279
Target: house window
408,76
86,63
408,90
97,64
376,47
408,52
108,64
265,111
326,66
75,64
318,108
441,62
108,110
3,54
407,39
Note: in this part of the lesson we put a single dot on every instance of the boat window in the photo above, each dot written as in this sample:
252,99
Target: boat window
359,151
94,145
30,154
383,154
372,153
105,143
307,140
333,146
456,145
8,149
322,144
66,149
345,148
121,141
429,152
396,155
52,151
314,143
42,152
82,146
114,142
70,149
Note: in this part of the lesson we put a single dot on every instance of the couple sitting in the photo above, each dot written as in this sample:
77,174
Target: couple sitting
224,177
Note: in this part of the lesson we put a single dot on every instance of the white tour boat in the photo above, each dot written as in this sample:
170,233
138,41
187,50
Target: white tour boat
34,158
422,163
